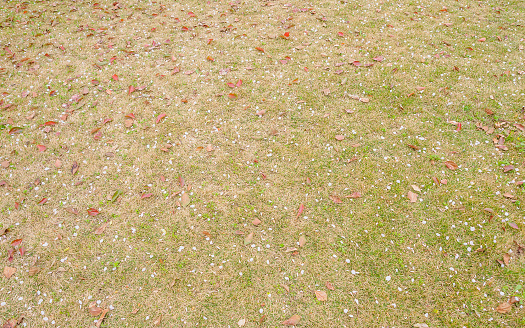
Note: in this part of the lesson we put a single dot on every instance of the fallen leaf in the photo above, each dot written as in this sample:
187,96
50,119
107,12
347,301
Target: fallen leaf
74,168
379,58
11,323
256,222
490,210
92,211
504,307
420,88
514,299
412,196
451,165
16,242
364,100
148,195
302,241
508,168
157,322
5,164
329,286
260,49
482,39
101,229
160,117
336,199
421,325
232,95
354,195
321,295
285,288
93,309
248,239
416,188
241,322
9,271
185,200
41,148
58,163
43,201
506,258
339,137
292,321
514,225
33,271
300,210
508,195
102,315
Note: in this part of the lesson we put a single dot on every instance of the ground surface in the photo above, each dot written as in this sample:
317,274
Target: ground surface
192,163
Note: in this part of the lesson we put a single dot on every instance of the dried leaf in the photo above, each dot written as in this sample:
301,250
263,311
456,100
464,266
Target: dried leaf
101,229
157,322
33,271
451,165
514,225
508,195
41,148
302,241
93,309
412,196
5,164
508,168
339,137
354,195
9,271
248,239
256,222
74,168
321,295
285,288
329,286
336,199
58,163
92,211
102,315
16,242
504,307
160,117
241,322
148,195
185,199
292,321
300,211
416,188
506,258
421,325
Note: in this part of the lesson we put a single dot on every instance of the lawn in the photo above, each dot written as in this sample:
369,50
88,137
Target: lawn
262,163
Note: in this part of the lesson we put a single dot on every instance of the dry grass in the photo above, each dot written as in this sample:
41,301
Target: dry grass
392,263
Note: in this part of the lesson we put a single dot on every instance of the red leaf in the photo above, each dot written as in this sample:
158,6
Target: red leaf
107,120
379,58
92,211
239,83
114,77
10,253
50,123
286,35
14,130
459,127
356,63
191,14
354,195
341,34
148,195
95,82
43,201
160,117
259,48
451,165
41,148
185,29
130,115
300,211
230,84
16,242
210,58
210,41
131,89
232,95
22,251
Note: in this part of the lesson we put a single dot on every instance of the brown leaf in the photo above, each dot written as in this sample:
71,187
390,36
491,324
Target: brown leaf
256,222
285,288
336,199
58,163
248,239
514,225
416,188
364,100
157,322
412,196
102,315
9,271
514,299
128,122
292,321
321,295
508,195
93,309
302,241
354,195
504,307
300,210
451,165
329,286
72,210
326,92
101,229
74,168
11,323
5,164
490,210
33,271
506,258
508,168
339,137
185,199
